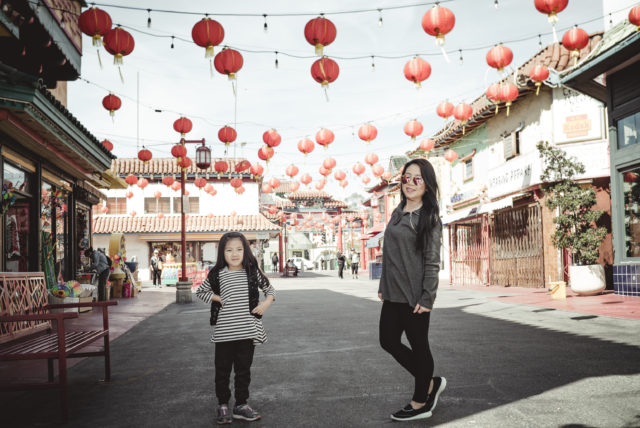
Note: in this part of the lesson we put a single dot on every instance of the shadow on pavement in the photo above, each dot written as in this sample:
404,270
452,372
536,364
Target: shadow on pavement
322,367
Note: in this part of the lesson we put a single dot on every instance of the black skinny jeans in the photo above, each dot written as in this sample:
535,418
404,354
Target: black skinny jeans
396,318
237,354
157,276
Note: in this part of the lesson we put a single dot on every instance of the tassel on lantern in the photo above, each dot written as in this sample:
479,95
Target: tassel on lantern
319,49
538,84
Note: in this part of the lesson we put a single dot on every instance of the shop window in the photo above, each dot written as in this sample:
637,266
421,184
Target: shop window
194,205
157,205
16,213
631,197
15,179
117,205
83,234
628,130
468,170
511,144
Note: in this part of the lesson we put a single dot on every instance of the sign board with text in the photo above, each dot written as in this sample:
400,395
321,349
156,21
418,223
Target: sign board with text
576,117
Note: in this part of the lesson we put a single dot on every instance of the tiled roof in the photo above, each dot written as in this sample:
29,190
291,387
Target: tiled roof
171,224
554,56
309,194
124,166
284,187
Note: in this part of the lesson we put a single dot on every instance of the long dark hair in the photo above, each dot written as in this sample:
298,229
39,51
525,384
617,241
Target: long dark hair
430,211
249,261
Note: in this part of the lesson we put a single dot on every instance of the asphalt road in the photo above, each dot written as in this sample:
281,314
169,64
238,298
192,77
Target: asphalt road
506,366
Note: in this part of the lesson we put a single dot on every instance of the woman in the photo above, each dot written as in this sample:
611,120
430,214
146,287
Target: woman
408,285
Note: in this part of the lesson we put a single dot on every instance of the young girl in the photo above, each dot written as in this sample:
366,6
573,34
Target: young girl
236,312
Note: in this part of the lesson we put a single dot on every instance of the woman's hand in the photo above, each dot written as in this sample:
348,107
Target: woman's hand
380,297
216,298
263,306
420,309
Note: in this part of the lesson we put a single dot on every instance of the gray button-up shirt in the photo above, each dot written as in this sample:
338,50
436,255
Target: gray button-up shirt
409,276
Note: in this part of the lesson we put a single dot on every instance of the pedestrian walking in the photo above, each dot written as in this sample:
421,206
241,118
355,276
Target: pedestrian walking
341,261
156,268
355,262
100,263
232,287
408,285
274,261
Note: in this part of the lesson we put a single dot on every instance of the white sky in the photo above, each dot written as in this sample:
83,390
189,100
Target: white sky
287,98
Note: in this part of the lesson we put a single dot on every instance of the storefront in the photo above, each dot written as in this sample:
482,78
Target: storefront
611,75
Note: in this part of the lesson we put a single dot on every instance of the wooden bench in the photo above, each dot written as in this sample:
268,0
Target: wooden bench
26,331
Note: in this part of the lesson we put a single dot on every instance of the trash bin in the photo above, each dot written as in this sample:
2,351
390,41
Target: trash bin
375,270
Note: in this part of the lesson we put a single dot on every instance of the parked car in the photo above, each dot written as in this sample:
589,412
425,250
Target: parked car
299,262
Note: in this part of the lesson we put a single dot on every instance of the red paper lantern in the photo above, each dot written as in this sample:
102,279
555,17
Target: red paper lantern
240,190
305,146
438,21
493,94
200,182
112,103
95,23
387,176
324,137
329,163
167,181
176,186
320,32
634,17
129,194
367,132
243,165
275,183
306,179
366,180
295,186
292,170
207,33
133,213
508,93
119,43
236,182
208,188
499,57
265,153
157,194
450,155
271,138
178,151
145,155
339,175
256,169
266,188
444,109
371,159
344,183
107,144
630,177
325,70
104,209
551,8
320,185
182,125
160,215
227,135
228,61
324,171
427,144
539,74
131,179
221,166
377,170
213,192
142,183
358,169
417,70
413,128
463,113
184,162
574,41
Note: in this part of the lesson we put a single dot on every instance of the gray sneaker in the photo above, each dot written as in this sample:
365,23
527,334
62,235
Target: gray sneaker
224,415
245,412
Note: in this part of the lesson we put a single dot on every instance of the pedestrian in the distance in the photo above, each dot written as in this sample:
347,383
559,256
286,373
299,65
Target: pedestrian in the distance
341,261
101,265
156,268
355,262
274,261
408,285
233,289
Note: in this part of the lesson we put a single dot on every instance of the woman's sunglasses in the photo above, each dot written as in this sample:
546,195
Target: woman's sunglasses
417,180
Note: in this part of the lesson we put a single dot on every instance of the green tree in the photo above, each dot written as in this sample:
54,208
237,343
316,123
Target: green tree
575,223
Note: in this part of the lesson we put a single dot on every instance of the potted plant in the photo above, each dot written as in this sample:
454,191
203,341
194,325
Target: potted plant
576,219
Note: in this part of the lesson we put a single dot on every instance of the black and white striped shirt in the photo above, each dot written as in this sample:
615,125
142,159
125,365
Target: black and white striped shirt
235,322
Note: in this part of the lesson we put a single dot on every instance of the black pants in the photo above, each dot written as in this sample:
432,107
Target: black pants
396,318
157,275
354,268
237,354
102,284
275,267
340,269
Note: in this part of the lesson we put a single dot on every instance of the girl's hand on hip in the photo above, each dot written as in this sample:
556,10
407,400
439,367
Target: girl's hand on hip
420,309
380,297
260,309
216,298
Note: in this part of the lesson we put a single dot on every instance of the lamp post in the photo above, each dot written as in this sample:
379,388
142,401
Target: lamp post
203,161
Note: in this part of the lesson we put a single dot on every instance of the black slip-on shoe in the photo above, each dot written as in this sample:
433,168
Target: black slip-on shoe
439,384
408,413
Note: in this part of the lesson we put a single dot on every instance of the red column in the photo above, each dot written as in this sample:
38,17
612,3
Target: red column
340,231
183,234
363,254
280,239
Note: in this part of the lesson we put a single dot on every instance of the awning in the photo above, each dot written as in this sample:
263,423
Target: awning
374,241
113,180
467,212
497,205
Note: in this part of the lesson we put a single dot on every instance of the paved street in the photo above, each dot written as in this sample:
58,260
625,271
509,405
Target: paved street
507,365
